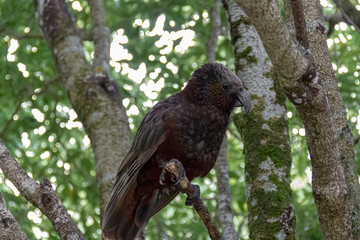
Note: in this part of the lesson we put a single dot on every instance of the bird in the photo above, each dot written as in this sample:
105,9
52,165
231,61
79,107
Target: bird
187,127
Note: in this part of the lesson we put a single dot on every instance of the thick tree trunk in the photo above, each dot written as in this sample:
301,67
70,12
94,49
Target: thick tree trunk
302,84
92,93
317,42
265,133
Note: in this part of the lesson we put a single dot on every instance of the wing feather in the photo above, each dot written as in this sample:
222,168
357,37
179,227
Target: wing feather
151,133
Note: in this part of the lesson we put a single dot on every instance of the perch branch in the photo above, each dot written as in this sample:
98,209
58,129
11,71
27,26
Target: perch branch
41,196
199,205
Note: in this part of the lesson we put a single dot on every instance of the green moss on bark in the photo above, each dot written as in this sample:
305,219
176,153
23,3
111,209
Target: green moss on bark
266,140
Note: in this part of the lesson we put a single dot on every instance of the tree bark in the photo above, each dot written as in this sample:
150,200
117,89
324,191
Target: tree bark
224,204
41,196
317,41
93,95
302,84
9,227
265,134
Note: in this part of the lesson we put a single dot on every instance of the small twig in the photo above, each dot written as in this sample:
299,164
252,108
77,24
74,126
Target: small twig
199,205
234,134
7,124
357,140
18,35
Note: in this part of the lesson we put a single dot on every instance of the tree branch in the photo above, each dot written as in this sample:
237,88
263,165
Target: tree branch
289,62
303,86
201,209
9,227
41,196
333,19
224,204
349,12
93,95
216,28
343,134
357,140
299,22
101,35
18,35
11,119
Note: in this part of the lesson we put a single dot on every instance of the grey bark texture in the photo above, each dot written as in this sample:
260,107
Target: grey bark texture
9,227
318,47
92,93
224,204
41,196
265,134
300,80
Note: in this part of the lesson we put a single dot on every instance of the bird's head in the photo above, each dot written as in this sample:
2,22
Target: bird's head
215,84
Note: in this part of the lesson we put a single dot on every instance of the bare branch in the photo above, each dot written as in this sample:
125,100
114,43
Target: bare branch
7,124
9,227
216,28
357,140
299,22
41,196
15,34
224,205
349,12
199,206
333,20
100,34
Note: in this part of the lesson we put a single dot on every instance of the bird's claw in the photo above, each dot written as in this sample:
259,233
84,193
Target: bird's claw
190,200
174,180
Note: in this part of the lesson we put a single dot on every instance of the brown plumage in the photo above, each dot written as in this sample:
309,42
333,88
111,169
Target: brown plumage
188,126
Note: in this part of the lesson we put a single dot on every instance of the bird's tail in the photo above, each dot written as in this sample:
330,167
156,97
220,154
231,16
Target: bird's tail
125,215
123,219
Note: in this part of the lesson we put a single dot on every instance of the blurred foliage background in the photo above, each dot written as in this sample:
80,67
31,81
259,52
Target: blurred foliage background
155,47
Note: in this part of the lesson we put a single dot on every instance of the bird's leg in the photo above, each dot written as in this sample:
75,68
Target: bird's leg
193,195
178,178
174,178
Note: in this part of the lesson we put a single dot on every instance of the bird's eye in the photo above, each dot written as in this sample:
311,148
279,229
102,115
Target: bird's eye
241,89
225,86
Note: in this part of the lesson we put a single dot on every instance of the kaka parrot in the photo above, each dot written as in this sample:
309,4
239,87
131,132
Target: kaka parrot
187,127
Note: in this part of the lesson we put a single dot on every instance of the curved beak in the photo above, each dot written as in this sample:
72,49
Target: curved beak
243,100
